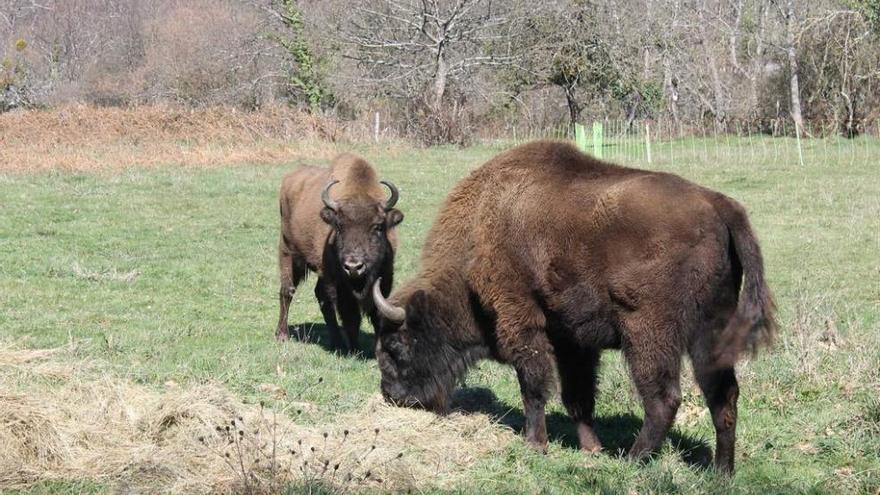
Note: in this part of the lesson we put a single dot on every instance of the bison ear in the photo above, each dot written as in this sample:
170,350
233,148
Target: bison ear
328,216
393,217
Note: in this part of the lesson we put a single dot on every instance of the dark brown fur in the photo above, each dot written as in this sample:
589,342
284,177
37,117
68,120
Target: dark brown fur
545,256
318,239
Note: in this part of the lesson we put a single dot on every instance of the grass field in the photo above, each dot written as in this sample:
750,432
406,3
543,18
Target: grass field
165,279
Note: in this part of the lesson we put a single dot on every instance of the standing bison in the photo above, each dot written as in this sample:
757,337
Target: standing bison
337,223
546,256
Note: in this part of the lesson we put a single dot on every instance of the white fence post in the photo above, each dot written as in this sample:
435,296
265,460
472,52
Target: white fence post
797,134
376,128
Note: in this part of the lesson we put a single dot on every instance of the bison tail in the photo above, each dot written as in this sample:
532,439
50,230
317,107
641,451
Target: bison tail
753,324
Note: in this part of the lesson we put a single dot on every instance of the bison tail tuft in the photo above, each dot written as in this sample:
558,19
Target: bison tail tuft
753,324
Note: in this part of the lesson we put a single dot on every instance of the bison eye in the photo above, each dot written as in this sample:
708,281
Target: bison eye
379,228
396,349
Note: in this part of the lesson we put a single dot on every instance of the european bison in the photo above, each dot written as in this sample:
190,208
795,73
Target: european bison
547,255
337,223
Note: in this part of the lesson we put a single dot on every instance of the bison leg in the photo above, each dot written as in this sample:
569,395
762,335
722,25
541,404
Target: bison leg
721,391
535,390
531,356
291,271
351,320
521,337
655,365
577,374
326,299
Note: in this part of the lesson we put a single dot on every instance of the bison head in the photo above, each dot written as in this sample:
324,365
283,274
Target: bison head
419,363
361,226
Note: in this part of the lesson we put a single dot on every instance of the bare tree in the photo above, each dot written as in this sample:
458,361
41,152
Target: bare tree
565,48
414,45
434,66
789,17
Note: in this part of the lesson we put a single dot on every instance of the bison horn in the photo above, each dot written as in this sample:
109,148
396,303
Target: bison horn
325,195
394,195
386,309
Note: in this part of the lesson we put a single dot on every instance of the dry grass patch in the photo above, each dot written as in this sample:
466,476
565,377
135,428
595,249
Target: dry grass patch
67,419
79,137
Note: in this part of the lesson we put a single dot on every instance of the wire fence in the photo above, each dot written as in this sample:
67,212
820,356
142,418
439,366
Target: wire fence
650,142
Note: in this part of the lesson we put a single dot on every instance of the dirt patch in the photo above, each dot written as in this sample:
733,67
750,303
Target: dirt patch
68,419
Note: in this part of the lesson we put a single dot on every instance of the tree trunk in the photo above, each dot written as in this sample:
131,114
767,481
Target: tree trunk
671,90
574,110
791,51
751,69
757,65
720,108
439,81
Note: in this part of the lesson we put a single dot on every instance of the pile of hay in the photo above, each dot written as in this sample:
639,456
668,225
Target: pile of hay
63,419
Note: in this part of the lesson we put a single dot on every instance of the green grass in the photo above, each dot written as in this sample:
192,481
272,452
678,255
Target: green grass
170,274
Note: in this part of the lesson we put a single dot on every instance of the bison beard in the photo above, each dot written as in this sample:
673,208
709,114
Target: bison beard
348,241
545,256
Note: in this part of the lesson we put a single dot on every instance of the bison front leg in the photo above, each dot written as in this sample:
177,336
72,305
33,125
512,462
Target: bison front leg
327,300
350,312
291,271
532,356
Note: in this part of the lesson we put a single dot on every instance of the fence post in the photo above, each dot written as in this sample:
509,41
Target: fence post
376,128
597,139
648,140
797,134
580,137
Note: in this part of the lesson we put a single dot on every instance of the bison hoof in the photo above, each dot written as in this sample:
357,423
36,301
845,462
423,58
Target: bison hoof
640,454
591,449
540,447
588,440
282,336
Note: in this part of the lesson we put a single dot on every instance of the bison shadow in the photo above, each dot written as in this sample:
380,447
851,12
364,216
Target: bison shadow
317,333
616,432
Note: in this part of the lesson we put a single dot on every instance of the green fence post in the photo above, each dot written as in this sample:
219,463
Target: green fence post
580,137
597,139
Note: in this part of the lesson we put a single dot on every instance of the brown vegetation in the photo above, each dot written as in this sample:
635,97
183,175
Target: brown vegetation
79,137
434,70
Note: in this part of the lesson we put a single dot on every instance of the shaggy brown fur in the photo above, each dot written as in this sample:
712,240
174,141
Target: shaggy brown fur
545,256
348,246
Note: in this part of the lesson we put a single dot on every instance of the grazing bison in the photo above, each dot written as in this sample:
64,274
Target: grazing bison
546,256
337,223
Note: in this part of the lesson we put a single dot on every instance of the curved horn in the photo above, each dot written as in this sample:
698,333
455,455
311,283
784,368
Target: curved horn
325,195
386,309
394,194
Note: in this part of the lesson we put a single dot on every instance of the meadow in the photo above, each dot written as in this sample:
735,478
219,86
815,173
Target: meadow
162,281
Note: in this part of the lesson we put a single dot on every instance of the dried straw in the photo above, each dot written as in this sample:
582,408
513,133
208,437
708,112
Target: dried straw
83,423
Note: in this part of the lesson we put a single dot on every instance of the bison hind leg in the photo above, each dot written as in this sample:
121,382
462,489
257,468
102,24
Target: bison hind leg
654,358
577,374
718,382
721,392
